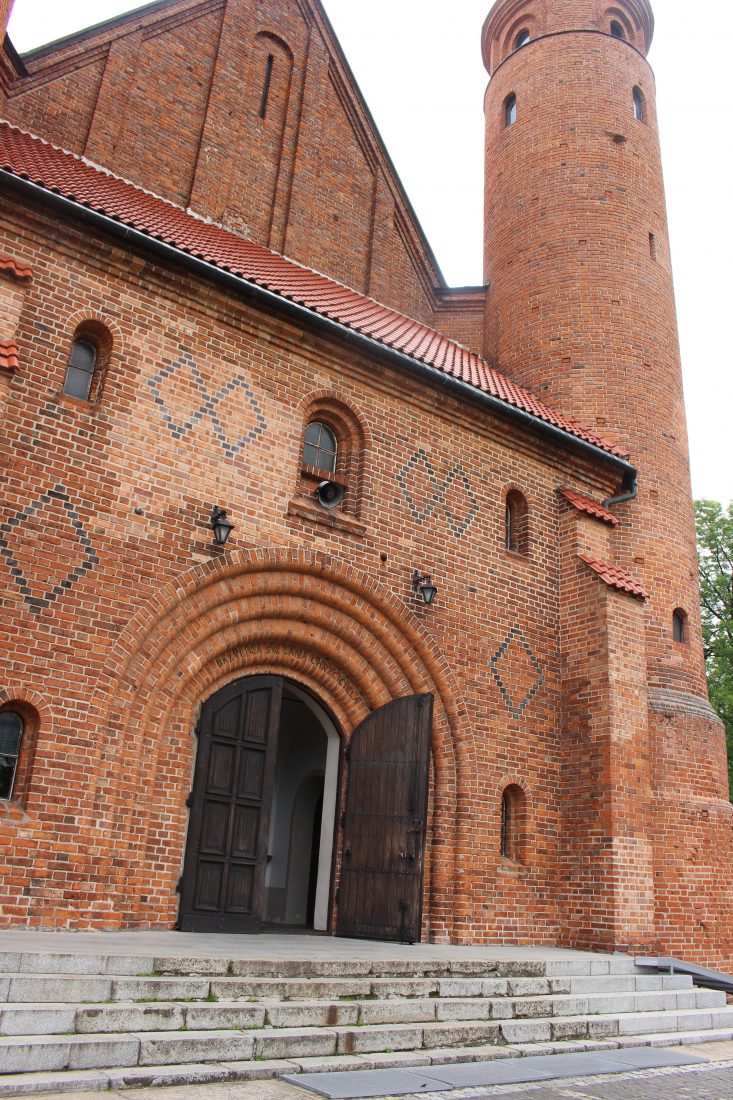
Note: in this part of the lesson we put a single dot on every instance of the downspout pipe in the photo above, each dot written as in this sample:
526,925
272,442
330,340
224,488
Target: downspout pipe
316,320
629,490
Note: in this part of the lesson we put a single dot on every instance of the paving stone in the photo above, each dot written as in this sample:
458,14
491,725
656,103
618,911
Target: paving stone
36,963
482,1053
173,1048
462,1034
301,968
74,1081
258,1071
9,962
336,1063
294,1014
460,987
526,1031
367,1040
569,1029
158,989
297,1042
138,1077
396,1012
404,987
26,1054
36,1019
494,987
102,1051
473,967
223,1014
196,967
518,968
399,1058
457,1009
128,1017
527,987
36,987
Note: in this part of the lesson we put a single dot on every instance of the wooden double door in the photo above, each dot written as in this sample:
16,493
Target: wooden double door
386,769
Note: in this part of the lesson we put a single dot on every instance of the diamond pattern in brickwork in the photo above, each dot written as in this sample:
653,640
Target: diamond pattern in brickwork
65,529
425,492
212,405
520,676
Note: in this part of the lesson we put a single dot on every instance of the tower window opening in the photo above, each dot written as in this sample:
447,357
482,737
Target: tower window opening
617,30
679,625
522,39
266,85
510,110
639,106
652,246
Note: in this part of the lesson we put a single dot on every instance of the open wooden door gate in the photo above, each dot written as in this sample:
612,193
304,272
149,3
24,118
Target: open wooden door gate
222,889
380,894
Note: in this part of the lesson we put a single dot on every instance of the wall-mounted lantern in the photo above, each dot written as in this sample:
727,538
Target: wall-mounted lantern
423,587
220,525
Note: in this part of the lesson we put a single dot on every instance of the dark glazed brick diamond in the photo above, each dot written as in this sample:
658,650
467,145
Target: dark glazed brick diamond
516,636
12,530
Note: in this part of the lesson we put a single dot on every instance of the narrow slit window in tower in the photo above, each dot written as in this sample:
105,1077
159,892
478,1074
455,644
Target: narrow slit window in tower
266,85
617,30
652,246
639,104
510,110
679,625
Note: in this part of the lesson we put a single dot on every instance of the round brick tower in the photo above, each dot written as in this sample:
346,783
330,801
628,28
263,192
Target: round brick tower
582,312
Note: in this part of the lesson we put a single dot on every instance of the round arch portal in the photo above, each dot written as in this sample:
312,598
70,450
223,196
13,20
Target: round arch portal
322,625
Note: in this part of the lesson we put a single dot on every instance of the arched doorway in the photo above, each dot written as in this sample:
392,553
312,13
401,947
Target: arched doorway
263,804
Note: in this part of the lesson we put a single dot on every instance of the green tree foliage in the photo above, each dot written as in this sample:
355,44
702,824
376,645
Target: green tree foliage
715,553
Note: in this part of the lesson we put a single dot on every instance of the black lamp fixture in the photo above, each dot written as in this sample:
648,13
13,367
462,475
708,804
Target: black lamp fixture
422,585
220,525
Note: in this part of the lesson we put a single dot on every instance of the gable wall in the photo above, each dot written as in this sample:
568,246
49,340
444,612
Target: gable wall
173,99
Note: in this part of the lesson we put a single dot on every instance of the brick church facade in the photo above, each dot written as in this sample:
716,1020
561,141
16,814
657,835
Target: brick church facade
214,295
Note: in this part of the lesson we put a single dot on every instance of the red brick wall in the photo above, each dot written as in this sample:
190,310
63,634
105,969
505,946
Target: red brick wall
118,662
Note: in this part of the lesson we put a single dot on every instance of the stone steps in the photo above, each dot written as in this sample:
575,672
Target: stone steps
49,1018
34,1052
75,1022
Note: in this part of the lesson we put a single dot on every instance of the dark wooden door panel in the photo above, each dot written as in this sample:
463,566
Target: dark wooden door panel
380,895
223,883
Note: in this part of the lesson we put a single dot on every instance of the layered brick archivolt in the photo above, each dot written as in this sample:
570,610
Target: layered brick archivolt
305,616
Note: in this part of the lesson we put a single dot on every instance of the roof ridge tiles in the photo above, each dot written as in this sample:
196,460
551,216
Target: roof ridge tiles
90,185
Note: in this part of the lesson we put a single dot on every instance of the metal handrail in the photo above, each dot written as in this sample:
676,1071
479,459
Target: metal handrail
711,979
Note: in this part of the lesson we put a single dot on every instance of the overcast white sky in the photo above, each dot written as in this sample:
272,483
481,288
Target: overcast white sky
418,64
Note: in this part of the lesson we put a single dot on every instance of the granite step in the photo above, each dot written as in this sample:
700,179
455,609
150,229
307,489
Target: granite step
48,1018
62,987
123,1077
20,1053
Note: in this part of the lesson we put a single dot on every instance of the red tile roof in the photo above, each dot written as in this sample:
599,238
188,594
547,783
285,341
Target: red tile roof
615,577
74,178
588,505
9,266
9,355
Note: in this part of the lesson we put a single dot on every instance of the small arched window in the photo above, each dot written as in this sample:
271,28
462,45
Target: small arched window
639,104
512,822
522,39
320,447
80,371
679,625
11,735
617,30
510,110
516,523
